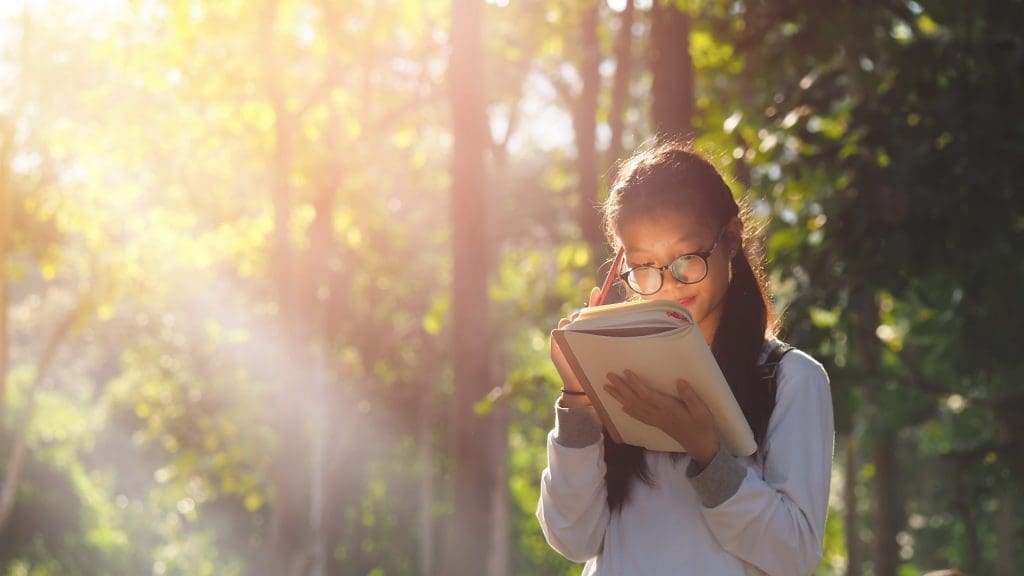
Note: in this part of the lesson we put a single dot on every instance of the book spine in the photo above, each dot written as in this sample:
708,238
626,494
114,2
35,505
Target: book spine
580,375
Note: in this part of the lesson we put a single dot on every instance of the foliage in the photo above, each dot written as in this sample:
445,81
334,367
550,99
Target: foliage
154,141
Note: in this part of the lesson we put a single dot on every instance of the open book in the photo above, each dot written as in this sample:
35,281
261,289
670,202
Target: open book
659,341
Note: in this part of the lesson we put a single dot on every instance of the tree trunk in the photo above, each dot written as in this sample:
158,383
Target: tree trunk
1004,517
620,85
426,457
346,473
318,312
343,421
467,547
887,505
1004,534
318,545
963,501
288,523
672,68
425,494
335,474
585,127
853,558
500,562
501,538
888,510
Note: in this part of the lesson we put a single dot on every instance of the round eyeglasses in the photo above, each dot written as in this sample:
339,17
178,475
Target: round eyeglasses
688,269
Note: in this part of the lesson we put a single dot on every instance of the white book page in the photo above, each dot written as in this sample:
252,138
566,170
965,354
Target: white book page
649,313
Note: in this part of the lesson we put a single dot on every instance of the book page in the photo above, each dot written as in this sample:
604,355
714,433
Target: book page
646,313
629,331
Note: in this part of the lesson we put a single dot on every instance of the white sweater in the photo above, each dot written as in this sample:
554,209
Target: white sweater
735,517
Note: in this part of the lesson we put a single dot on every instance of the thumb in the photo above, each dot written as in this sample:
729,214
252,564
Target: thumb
594,293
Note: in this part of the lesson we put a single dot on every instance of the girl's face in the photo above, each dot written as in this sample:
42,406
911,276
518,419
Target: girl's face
661,238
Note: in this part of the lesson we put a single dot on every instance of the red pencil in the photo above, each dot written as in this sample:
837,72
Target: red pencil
612,273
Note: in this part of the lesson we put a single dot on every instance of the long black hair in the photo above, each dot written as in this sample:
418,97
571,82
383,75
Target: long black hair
669,175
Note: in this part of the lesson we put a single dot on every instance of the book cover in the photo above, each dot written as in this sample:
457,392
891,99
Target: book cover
659,341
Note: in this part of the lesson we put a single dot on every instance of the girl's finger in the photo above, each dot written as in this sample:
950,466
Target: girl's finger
694,403
625,390
594,293
627,386
641,389
563,322
688,394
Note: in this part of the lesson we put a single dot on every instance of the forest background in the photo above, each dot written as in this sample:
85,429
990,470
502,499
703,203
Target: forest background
277,275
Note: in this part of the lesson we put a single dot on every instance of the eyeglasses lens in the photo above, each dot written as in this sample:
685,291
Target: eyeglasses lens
686,269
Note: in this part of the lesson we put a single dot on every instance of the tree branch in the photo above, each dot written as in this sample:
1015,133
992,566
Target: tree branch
16,458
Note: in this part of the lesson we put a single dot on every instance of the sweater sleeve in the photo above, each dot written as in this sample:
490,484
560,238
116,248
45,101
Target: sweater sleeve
777,523
573,506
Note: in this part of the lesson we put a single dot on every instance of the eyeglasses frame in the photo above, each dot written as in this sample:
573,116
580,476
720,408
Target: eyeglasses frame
703,255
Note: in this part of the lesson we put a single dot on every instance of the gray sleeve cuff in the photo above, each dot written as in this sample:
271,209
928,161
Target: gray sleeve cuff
576,427
719,480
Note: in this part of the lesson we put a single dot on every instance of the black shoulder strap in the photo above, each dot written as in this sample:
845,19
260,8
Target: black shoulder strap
770,370
769,377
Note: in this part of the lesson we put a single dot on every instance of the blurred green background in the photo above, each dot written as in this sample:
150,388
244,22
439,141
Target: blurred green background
277,275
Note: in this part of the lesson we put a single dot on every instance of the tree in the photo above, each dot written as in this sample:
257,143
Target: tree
580,90
467,542
672,89
620,85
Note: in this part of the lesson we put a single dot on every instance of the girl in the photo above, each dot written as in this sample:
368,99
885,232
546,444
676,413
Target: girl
627,511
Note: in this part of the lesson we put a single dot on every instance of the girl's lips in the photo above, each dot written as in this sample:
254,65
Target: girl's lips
686,301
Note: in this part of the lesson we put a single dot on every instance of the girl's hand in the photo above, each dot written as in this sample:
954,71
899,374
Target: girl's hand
569,381
688,421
